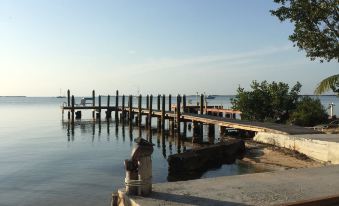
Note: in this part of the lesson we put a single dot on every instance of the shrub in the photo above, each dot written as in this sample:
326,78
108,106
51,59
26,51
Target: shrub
309,112
267,101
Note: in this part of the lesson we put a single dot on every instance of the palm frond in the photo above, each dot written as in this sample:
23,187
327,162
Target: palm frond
327,84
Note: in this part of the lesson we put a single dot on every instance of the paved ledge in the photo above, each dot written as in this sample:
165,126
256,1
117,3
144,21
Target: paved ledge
270,188
322,147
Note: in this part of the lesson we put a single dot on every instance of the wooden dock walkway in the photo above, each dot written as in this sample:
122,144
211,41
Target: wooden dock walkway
177,114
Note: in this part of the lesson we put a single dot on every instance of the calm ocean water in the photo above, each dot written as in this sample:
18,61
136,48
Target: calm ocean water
43,162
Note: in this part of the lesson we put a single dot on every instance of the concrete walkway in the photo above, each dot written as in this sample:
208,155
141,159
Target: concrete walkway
270,188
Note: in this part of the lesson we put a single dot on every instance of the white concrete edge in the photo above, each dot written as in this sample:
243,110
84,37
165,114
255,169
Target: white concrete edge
319,150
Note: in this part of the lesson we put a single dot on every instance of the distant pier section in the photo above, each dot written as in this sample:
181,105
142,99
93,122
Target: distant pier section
178,114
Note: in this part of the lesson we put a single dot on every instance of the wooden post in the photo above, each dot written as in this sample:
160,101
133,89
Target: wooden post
130,130
108,111
211,133
178,113
184,103
163,113
147,107
197,132
172,126
117,106
222,130
201,104
72,131
170,102
68,98
68,103
137,119
130,108
149,138
123,107
159,97
159,118
72,110
139,110
147,102
99,128
211,130
93,100
195,129
150,112
170,121
184,109
99,109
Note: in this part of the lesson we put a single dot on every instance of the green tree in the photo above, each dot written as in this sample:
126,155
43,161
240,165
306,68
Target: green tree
330,83
309,112
316,31
267,101
316,26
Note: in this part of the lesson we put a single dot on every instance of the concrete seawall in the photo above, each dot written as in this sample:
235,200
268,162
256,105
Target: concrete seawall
321,147
271,188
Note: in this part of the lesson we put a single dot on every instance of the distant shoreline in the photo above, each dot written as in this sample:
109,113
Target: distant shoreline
324,95
13,96
216,95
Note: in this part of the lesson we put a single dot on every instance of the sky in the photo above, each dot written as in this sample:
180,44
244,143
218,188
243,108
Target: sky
147,46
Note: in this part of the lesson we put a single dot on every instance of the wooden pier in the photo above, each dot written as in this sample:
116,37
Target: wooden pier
178,114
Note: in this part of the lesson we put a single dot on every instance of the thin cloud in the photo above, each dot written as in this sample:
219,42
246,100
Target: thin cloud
153,65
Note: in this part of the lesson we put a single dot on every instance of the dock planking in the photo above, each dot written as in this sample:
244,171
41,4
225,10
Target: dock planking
180,112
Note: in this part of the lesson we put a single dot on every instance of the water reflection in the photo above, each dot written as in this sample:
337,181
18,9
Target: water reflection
167,142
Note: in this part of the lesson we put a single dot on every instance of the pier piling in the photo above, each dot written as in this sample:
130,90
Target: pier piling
139,110
178,113
150,112
158,108
222,130
201,104
147,107
93,103
130,105
72,110
163,113
169,102
117,106
99,109
108,111
123,107
184,110
182,113
211,130
68,103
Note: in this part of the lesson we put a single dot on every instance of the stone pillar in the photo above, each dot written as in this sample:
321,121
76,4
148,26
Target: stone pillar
139,169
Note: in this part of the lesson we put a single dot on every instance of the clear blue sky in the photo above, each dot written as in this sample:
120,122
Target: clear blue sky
155,46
